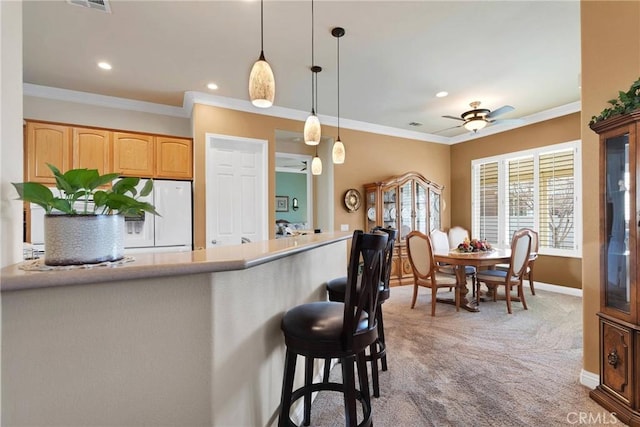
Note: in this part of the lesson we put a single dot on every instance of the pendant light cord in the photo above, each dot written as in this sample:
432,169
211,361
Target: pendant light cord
338,87
313,73
262,26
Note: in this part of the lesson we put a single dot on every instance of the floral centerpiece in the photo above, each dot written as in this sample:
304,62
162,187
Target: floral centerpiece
474,245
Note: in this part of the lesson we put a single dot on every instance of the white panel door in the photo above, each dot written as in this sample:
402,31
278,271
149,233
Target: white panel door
236,206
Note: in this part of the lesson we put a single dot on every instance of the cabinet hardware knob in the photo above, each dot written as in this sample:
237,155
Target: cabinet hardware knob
612,358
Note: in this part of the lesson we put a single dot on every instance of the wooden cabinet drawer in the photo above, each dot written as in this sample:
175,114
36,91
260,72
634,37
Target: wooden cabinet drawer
616,360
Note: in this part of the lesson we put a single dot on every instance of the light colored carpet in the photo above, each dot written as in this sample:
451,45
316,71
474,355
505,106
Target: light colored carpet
478,369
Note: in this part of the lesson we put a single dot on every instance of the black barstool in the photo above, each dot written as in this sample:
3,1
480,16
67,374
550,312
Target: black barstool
334,330
336,292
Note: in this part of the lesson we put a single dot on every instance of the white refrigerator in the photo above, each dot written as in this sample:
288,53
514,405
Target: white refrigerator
172,229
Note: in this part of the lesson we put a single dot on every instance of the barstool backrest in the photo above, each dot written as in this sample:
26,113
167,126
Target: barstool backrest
388,258
361,296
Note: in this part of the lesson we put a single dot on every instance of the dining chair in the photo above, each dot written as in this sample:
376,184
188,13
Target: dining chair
425,270
440,243
528,275
457,235
328,329
513,277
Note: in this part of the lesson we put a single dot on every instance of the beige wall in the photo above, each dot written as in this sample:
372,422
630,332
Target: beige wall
610,62
370,157
555,270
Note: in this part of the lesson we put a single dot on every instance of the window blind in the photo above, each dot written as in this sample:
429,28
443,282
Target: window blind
556,200
486,205
520,195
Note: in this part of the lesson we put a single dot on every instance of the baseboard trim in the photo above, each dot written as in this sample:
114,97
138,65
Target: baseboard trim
589,379
558,289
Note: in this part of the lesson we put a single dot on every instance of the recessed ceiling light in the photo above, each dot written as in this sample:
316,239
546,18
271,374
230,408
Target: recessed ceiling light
212,86
442,94
104,65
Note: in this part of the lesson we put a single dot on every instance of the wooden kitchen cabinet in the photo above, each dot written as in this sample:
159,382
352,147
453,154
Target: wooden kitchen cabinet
133,154
47,143
92,149
619,316
126,153
174,158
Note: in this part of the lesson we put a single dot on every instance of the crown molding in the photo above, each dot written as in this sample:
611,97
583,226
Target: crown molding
194,97
49,92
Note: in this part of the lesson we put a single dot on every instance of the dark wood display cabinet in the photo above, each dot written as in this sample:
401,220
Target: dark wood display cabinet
406,202
619,316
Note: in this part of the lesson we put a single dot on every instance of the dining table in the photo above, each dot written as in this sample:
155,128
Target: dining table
458,260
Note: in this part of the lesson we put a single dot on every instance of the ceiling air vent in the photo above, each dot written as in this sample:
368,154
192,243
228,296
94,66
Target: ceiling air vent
101,5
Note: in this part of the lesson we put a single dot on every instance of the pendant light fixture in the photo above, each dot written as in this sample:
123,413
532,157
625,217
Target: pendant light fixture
262,84
316,164
312,131
338,153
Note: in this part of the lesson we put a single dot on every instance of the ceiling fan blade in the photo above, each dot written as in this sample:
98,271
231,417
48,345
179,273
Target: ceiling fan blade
453,117
445,129
502,110
506,122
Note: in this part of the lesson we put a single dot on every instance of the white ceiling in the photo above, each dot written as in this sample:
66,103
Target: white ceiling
394,58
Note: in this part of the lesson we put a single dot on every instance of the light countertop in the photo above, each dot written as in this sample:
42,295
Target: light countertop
223,258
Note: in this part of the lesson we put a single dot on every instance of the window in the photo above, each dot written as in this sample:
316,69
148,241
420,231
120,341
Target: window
537,189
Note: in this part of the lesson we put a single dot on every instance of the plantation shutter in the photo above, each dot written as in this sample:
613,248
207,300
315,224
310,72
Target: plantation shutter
486,202
556,200
520,195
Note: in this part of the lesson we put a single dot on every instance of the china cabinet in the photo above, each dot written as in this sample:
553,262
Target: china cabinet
406,202
619,316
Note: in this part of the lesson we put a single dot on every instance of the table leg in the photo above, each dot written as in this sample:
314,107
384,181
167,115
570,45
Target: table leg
461,279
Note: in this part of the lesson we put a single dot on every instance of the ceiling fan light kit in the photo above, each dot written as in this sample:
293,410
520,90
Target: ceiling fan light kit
478,118
262,83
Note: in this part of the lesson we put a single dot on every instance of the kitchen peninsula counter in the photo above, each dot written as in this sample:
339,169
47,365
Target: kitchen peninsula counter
185,338
223,258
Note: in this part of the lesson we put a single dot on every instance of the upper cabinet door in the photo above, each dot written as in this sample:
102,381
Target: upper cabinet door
47,143
133,154
92,149
174,158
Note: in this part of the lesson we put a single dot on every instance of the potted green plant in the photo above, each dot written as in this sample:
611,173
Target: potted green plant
626,102
84,222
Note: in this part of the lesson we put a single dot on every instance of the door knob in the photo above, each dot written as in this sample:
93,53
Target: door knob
214,242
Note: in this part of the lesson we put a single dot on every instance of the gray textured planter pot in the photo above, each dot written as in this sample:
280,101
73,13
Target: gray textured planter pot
83,239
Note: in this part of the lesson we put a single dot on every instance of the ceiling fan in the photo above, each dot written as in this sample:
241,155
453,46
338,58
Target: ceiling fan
477,118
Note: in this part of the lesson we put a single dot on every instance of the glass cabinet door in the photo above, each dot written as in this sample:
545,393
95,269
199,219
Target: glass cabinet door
370,206
389,208
617,214
434,211
421,209
406,209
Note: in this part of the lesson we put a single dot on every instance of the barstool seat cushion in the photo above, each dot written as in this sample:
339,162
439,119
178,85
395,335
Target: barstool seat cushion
317,326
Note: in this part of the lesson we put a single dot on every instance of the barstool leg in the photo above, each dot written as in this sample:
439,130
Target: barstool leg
327,370
349,384
287,388
381,337
308,378
363,377
373,350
